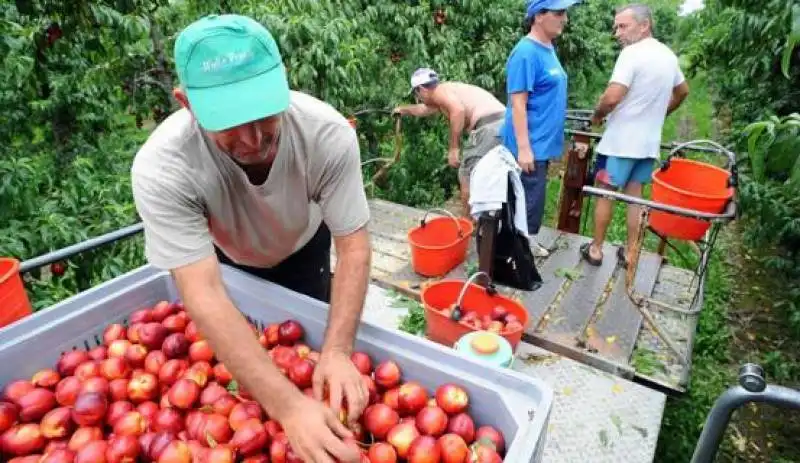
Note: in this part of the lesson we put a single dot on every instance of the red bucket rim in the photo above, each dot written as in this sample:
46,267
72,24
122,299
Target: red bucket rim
704,165
425,287
467,233
14,269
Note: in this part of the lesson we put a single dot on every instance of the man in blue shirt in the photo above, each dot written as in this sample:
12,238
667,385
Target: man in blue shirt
533,129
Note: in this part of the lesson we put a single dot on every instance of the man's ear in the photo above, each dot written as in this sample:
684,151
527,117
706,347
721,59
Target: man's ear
180,96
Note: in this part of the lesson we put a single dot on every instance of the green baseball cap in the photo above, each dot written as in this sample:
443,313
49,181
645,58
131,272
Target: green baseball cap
231,70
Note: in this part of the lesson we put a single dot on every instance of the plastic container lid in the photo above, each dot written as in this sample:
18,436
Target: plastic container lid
486,346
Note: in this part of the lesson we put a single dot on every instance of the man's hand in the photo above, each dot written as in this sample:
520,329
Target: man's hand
609,100
581,149
315,433
416,110
453,157
341,377
526,160
311,427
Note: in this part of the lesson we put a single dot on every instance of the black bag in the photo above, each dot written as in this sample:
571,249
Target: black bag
512,263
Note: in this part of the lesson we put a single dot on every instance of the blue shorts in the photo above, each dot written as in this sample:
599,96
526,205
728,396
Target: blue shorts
617,172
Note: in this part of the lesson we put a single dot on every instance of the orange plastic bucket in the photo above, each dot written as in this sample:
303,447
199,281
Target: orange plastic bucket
690,185
439,298
14,302
440,244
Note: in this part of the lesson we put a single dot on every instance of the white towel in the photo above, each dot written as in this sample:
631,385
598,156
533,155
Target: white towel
488,186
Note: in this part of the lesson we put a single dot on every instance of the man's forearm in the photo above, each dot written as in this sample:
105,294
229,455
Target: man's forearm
234,344
348,292
456,128
675,102
604,107
418,110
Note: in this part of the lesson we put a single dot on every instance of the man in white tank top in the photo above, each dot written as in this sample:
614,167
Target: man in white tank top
259,177
646,86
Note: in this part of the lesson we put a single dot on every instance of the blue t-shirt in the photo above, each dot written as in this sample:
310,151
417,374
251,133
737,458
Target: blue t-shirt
534,67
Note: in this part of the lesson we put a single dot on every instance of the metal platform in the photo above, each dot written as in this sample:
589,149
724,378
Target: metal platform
594,413
580,312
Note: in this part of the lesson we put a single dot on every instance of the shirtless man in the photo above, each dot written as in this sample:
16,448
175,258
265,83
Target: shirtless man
469,109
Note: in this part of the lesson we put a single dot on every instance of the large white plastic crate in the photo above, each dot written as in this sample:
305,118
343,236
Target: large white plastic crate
518,405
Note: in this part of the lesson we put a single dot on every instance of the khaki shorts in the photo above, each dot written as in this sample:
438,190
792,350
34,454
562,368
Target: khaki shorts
480,141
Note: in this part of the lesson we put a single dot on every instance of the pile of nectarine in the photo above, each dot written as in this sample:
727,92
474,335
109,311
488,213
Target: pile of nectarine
499,320
154,391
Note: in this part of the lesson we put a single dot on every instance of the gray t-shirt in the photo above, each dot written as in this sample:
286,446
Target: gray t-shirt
191,196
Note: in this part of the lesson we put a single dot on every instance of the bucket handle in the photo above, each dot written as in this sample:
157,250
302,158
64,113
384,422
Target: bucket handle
489,289
458,224
709,146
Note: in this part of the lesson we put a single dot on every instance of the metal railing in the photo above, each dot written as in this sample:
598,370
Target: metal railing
585,120
83,246
752,388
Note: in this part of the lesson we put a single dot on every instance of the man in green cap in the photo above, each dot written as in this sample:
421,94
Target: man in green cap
254,175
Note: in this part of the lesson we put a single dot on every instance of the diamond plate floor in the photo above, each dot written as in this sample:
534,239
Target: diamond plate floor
596,416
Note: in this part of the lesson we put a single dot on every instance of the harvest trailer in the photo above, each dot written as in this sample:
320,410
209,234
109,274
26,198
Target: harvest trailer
603,347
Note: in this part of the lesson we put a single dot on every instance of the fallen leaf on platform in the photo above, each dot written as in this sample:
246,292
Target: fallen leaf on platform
567,391
569,273
611,339
617,388
617,422
603,437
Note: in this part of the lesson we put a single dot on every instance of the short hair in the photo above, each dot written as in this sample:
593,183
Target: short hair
527,23
641,12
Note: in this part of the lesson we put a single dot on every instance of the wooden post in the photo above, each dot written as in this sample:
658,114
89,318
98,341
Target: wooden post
571,201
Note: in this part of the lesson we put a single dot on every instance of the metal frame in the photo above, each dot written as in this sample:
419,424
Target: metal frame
88,245
752,388
644,302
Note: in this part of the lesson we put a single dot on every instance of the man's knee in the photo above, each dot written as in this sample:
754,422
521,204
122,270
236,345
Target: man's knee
633,188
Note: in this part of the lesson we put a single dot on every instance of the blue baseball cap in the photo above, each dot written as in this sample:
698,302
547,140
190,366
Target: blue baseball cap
231,70
534,6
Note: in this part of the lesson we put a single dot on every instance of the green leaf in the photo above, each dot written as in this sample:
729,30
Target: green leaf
569,273
233,387
794,178
757,156
603,434
617,423
791,41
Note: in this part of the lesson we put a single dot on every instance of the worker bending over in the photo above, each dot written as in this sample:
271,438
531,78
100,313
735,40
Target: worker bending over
469,109
257,176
